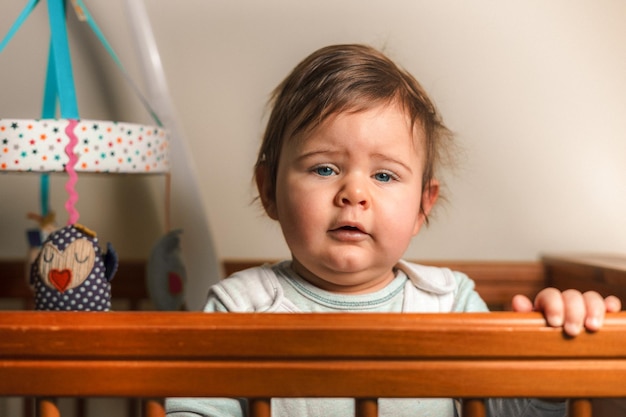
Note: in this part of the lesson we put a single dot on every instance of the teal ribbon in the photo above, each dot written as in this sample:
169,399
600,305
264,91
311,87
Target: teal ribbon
44,194
18,23
45,178
59,83
60,88
49,108
60,54
96,30
48,111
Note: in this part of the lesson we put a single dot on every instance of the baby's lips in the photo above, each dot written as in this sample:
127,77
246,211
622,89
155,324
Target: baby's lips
350,226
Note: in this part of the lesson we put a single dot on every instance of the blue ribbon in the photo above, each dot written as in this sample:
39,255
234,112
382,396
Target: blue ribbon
60,87
60,54
18,23
96,29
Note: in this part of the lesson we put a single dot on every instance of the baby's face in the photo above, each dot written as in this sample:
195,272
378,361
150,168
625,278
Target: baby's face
348,198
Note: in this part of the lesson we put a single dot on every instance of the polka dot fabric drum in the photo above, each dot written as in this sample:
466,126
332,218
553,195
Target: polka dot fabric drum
101,146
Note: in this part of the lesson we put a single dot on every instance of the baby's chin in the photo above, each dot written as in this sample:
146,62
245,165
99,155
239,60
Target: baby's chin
345,280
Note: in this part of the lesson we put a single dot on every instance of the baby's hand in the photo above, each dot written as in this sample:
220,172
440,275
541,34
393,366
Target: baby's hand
570,309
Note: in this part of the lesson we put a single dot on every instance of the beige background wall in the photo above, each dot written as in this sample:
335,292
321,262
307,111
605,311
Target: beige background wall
535,90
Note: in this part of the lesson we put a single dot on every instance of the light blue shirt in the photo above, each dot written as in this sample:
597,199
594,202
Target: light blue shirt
415,288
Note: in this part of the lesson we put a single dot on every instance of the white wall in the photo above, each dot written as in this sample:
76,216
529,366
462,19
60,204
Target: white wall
535,90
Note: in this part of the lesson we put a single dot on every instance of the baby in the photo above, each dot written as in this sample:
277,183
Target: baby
348,168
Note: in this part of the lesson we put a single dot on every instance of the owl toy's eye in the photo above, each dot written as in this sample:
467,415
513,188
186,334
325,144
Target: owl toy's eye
48,255
85,258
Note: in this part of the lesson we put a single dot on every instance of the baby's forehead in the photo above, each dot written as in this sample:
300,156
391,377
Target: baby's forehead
413,124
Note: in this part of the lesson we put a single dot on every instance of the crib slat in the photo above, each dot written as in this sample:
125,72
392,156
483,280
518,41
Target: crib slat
580,407
153,408
260,407
77,354
366,407
47,407
474,407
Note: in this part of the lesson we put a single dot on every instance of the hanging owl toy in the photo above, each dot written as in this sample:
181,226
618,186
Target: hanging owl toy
71,273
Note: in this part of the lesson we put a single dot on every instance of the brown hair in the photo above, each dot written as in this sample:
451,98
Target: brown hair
343,78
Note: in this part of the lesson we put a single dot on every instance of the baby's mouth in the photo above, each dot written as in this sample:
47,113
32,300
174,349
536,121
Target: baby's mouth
347,228
349,232
353,228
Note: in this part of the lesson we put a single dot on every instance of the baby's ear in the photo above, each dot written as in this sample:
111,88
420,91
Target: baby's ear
430,195
266,191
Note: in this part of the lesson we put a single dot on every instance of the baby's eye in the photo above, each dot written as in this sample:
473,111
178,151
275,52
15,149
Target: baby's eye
384,176
324,170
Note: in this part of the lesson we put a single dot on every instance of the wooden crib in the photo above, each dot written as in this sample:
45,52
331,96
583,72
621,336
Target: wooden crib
152,355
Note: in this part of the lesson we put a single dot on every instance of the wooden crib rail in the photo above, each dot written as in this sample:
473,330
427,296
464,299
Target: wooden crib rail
259,356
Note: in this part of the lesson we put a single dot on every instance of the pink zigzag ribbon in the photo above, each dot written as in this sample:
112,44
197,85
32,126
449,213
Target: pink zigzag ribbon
73,178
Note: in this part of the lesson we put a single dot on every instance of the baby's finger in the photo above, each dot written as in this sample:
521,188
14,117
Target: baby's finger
613,304
521,304
594,304
550,302
574,308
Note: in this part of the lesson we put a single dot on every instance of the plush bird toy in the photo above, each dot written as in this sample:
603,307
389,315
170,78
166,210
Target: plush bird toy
166,274
71,274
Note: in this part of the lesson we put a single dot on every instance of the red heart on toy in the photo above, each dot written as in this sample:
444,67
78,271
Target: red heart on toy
60,278
175,283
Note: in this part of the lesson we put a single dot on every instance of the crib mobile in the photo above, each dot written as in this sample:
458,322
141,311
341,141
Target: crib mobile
69,271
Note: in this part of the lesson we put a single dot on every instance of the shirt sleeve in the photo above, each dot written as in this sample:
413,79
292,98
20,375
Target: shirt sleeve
467,299
525,407
214,305
204,407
